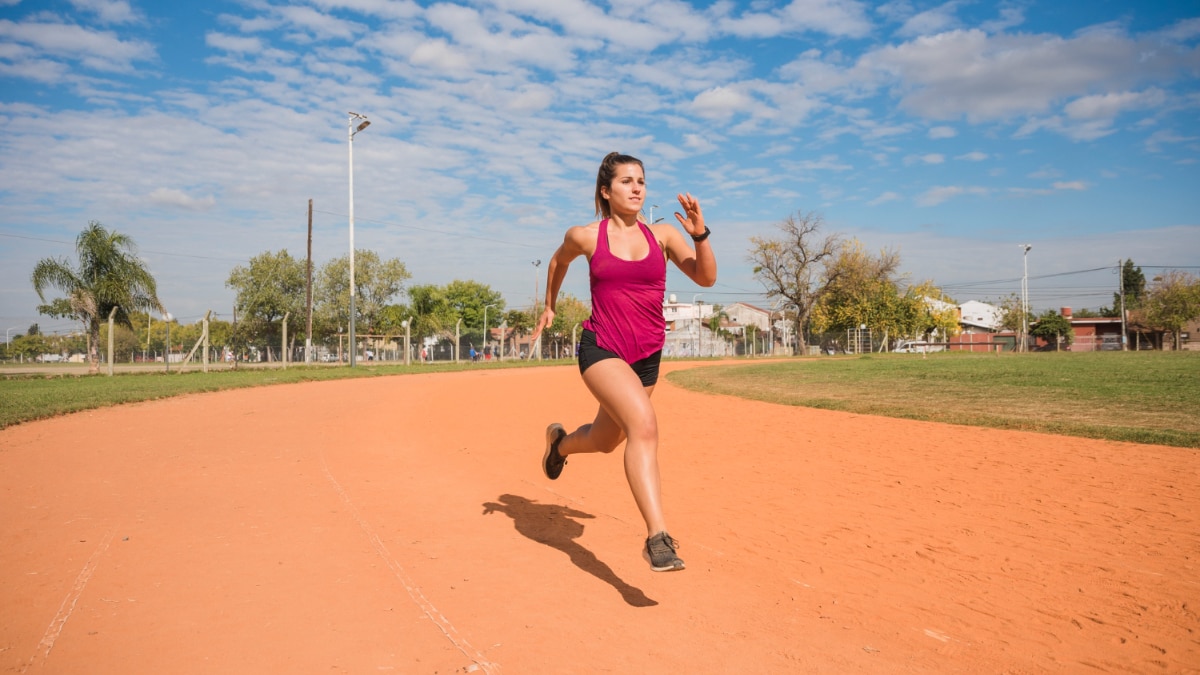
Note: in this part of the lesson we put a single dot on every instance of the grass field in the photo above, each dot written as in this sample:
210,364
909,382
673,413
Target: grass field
25,396
1143,397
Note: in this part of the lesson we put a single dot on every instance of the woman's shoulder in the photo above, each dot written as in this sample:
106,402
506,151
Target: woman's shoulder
588,231
581,239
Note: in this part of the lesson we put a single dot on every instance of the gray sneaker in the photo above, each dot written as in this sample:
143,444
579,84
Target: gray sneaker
552,462
660,553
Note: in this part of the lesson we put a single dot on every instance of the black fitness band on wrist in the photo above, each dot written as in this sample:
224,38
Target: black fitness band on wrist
701,237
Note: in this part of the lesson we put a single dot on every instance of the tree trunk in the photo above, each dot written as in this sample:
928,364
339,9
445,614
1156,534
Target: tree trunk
94,346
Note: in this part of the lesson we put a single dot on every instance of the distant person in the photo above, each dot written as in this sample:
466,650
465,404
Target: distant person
622,342
474,354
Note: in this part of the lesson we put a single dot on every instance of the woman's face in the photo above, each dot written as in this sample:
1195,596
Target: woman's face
627,190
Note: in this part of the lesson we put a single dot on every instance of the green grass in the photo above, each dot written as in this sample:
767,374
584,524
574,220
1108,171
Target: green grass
25,397
1142,397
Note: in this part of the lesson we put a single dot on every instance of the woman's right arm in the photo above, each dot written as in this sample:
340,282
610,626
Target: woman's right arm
571,248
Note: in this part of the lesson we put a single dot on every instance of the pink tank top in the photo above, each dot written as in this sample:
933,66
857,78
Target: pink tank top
627,299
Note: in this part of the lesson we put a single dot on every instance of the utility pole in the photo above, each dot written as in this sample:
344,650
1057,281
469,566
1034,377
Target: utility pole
1121,277
1025,298
308,292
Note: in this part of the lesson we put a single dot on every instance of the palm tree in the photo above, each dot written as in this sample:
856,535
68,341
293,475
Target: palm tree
109,275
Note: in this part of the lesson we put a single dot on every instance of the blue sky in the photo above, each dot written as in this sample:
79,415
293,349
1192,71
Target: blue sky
951,132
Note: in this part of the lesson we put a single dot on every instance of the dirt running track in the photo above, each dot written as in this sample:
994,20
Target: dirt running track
402,525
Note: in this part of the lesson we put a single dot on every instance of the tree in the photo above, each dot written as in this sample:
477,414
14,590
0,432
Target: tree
932,318
1173,300
1054,328
519,321
795,266
125,341
431,311
29,347
271,287
469,298
376,282
1134,284
1012,315
108,276
863,290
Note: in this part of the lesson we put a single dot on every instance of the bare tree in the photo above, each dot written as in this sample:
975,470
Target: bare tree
795,266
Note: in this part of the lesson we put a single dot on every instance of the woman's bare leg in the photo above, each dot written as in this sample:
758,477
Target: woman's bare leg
625,414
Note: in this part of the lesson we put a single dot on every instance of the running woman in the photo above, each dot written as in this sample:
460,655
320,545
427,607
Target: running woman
622,342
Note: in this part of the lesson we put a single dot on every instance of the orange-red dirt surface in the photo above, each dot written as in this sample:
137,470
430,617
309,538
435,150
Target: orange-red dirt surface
402,524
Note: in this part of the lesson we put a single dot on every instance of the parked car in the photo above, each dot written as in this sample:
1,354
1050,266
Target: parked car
918,347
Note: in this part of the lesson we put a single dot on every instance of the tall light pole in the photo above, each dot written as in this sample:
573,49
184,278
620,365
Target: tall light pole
652,220
485,330
1025,297
696,308
6,332
351,130
533,347
167,355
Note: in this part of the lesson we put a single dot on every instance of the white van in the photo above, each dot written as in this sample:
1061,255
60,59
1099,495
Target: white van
917,347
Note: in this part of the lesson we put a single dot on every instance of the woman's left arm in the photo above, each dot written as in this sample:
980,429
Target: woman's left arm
697,263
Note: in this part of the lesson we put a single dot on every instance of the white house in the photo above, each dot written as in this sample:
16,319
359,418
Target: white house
743,314
978,317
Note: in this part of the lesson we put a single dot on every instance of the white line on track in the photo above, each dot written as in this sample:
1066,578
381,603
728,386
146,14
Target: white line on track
460,643
68,604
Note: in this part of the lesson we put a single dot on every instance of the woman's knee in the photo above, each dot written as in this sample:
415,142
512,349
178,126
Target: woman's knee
643,430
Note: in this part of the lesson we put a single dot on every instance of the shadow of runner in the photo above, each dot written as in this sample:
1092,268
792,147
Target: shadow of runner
552,525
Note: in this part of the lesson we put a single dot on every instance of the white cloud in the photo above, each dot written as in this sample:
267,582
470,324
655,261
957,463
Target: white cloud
825,163
1077,185
234,43
698,143
844,19
884,198
937,133
441,56
107,11
180,199
968,73
721,102
1107,106
934,20
931,158
94,49
1156,140
975,156
936,195
1182,31
1010,16
321,26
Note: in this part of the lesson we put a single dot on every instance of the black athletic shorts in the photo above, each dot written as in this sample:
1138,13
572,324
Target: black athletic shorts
589,352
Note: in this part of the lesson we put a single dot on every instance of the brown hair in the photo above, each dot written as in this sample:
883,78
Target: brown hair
604,178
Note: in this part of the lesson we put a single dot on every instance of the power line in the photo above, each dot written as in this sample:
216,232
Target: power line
444,233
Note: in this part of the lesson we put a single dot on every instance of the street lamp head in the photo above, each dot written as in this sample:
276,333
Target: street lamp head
364,125
1027,247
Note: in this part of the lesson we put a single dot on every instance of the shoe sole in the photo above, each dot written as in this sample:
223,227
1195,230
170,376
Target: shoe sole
552,434
671,568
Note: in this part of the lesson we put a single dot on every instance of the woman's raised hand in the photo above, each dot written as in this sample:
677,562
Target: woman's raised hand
693,222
